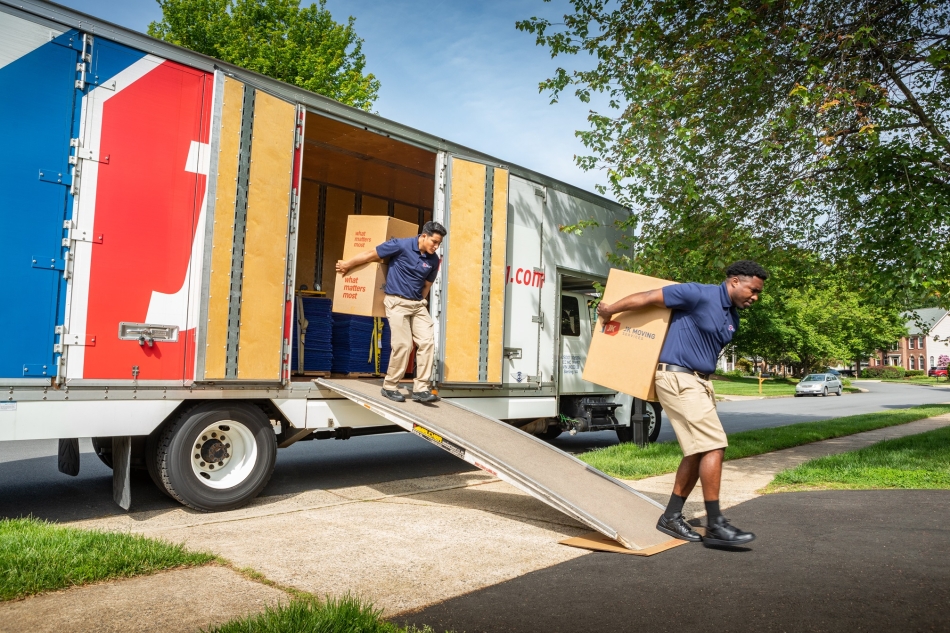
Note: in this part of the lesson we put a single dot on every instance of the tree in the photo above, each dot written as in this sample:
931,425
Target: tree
277,38
808,124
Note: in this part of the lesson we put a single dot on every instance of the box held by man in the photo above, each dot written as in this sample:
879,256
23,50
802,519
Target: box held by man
361,290
624,352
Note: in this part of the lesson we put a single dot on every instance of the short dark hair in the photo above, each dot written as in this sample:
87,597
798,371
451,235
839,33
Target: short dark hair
433,228
747,268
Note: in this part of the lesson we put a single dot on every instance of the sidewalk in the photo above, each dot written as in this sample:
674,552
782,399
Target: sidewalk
401,545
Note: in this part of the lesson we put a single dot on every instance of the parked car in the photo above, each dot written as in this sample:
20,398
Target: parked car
819,385
833,372
934,372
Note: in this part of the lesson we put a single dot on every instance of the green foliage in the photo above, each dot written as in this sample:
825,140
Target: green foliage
758,130
307,615
303,46
37,556
913,373
628,461
917,461
888,371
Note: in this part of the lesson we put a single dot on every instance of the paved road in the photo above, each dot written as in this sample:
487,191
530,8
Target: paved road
823,561
30,483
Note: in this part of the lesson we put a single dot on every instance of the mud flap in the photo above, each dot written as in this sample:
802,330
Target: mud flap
121,466
69,456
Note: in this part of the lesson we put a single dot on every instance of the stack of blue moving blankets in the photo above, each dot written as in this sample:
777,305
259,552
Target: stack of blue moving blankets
317,343
352,339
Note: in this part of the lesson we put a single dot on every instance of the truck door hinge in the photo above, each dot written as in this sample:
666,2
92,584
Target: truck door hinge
539,320
85,57
79,235
76,340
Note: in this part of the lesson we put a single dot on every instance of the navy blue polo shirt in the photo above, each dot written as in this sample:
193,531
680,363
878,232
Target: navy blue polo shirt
409,268
704,321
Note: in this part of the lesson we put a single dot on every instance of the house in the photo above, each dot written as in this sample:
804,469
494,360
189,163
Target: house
928,337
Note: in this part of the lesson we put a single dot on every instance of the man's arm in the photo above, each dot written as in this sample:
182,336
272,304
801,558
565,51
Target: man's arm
425,289
344,267
631,302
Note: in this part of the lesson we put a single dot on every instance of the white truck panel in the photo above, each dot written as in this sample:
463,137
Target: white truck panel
510,408
44,420
326,414
523,284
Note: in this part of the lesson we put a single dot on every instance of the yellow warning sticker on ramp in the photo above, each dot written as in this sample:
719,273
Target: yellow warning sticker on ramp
438,440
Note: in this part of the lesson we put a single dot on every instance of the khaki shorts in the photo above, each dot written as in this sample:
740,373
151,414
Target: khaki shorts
690,403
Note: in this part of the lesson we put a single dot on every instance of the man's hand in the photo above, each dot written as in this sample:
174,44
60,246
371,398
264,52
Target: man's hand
605,311
345,266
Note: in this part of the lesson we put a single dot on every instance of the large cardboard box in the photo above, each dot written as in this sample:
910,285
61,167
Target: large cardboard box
624,352
361,291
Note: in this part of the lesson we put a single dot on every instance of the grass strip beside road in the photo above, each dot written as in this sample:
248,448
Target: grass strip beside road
37,556
343,615
628,461
915,462
730,386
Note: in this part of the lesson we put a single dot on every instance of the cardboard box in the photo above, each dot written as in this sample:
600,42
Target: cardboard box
624,352
364,232
362,290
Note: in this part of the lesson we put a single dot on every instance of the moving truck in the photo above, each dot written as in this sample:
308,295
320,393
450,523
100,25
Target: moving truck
161,210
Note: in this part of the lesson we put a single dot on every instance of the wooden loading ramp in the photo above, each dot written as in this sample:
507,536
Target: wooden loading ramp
522,460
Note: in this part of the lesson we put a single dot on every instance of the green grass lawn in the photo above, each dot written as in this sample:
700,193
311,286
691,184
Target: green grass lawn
918,380
627,461
37,556
917,461
344,615
750,387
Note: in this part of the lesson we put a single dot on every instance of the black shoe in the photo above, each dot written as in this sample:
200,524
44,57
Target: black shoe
395,396
424,396
720,534
677,527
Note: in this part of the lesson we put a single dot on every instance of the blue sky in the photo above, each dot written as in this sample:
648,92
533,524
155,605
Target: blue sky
455,68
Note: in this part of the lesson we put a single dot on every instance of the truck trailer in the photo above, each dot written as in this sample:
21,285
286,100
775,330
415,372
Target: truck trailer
164,214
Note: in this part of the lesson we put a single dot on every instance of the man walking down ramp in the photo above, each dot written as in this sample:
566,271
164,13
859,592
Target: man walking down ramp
705,319
413,266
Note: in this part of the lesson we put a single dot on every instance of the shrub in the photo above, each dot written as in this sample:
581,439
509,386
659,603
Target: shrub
888,371
911,373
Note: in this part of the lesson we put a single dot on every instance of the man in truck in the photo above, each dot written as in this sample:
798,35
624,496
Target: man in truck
704,320
413,266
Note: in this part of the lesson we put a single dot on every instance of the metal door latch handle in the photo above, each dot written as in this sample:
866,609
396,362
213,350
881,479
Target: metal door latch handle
147,333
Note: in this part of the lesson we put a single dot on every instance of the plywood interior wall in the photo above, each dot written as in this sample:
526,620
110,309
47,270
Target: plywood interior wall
463,289
340,205
265,244
374,206
223,230
496,302
307,234
406,213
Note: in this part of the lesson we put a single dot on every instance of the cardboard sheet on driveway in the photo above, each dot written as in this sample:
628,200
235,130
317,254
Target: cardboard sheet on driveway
624,352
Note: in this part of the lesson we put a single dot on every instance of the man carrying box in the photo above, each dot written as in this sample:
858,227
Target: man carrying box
413,266
704,320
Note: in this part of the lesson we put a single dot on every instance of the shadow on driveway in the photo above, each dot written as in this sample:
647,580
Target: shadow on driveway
823,561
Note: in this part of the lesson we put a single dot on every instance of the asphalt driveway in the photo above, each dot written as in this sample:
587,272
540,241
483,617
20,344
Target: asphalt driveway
823,561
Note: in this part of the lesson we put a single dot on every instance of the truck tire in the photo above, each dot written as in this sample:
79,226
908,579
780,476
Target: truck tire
654,410
217,456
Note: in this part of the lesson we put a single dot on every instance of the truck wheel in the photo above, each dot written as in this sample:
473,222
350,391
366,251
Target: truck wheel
217,456
652,409
103,448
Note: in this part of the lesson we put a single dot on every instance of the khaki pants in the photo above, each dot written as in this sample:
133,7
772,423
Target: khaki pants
690,404
409,322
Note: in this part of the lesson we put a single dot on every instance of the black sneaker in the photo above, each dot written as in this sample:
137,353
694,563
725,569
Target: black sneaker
395,396
424,396
677,527
720,534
